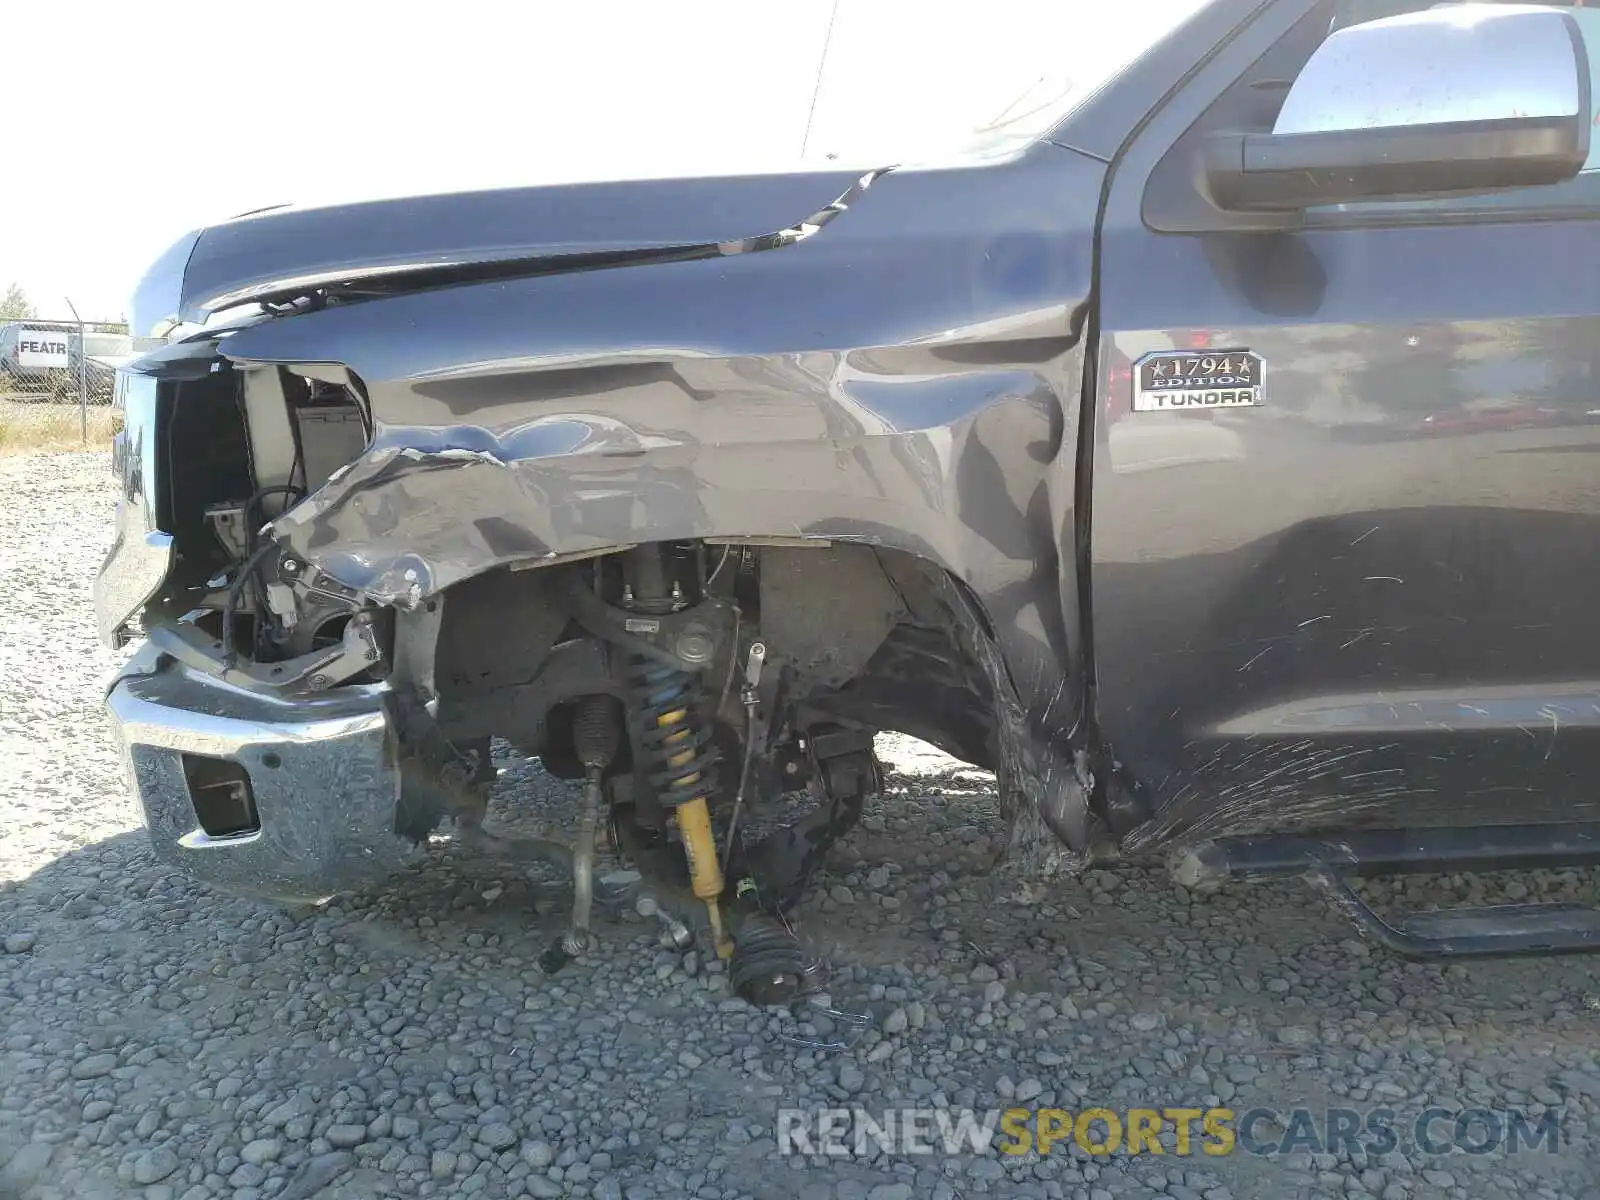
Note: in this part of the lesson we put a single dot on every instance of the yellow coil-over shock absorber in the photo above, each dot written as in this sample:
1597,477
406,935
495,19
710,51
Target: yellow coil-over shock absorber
684,775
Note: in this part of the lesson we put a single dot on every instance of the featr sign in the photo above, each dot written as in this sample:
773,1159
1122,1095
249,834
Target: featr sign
40,348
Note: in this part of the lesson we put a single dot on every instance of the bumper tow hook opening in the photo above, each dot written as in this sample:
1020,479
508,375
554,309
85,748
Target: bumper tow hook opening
219,789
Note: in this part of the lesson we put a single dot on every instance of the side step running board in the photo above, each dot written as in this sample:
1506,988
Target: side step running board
1326,862
1393,851
1495,930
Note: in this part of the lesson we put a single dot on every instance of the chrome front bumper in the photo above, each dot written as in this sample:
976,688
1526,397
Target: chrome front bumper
322,776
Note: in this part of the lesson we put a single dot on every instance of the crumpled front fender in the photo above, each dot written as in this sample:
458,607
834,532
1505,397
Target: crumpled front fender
907,378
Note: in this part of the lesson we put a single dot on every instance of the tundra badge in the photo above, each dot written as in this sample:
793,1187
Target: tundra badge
1170,379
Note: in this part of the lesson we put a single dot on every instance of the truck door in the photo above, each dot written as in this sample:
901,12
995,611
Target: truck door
1371,596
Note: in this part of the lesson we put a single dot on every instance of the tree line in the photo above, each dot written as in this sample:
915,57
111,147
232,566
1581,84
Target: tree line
15,306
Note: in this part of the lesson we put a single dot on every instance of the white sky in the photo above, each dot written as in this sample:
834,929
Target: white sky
132,123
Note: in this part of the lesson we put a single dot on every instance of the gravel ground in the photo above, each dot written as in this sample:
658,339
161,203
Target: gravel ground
161,1040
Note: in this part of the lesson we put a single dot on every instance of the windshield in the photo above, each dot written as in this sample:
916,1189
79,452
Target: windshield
888,94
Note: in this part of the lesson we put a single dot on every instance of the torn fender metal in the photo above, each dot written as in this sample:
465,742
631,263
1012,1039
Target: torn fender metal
909,377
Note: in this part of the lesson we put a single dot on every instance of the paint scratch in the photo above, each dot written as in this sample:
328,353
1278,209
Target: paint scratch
1253,661
1555,728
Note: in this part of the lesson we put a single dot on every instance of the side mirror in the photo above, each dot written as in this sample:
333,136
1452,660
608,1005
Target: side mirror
1456,99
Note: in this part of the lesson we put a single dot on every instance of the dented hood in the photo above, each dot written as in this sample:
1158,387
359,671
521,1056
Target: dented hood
277,253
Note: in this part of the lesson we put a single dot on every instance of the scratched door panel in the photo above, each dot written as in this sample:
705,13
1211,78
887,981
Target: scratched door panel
1374,594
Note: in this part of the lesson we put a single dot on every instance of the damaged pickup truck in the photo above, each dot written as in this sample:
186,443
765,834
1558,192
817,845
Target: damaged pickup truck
1155,456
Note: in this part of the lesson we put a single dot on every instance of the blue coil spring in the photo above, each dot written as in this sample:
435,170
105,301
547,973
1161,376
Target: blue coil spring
679,760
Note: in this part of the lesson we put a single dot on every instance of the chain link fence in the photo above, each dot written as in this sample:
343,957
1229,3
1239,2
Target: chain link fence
58,383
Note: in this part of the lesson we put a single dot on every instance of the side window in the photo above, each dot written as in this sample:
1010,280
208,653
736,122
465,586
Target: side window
1582,192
